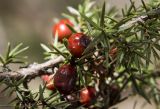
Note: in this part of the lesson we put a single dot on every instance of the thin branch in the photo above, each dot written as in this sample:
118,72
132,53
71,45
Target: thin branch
32,71
151,14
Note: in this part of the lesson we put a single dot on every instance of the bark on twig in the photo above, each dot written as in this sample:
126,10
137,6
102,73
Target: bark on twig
151,14
32,71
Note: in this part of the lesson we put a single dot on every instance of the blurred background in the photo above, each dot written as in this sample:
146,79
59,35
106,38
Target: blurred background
30,22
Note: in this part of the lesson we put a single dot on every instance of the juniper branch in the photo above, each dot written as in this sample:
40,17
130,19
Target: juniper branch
151,14
32,71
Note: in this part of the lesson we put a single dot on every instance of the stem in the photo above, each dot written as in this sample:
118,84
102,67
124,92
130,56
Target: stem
32,71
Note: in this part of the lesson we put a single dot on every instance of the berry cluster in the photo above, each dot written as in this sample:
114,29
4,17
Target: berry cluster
64,80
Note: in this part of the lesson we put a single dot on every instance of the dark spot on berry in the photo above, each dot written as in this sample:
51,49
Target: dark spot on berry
84,41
